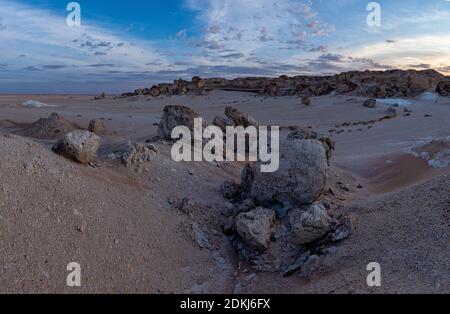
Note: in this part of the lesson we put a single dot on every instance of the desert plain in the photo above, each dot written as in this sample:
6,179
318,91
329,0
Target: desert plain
157,226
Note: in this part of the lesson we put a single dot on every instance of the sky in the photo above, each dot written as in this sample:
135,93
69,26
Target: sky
123,45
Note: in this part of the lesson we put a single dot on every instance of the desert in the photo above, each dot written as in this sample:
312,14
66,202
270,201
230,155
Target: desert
357,184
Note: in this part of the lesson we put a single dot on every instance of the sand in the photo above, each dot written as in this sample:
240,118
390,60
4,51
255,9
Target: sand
120,226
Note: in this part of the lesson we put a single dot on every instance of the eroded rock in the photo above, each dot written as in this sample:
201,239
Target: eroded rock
240,118
79,145
97,127
255,227
300,178
174,116
308,224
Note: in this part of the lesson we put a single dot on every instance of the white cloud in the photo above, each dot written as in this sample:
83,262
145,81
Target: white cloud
35,39
258,29
433,50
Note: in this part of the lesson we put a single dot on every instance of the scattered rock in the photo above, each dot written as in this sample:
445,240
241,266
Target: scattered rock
255,227
222,123
308,224
343,230
139,153
97,127
306,101
239,118
79,145
310,267
230,189
370,103
200,237
298,264
176,116
392,110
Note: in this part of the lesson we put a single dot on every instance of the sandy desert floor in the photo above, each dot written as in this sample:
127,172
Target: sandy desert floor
120,226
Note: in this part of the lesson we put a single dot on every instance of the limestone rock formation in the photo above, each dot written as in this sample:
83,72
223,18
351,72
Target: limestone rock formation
240,118
97,127
79,145
174,116
255,227
300,178
308,224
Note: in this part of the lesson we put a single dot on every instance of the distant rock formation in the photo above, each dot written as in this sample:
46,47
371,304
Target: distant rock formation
371,84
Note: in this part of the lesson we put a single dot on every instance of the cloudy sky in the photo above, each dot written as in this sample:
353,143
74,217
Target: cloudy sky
122,45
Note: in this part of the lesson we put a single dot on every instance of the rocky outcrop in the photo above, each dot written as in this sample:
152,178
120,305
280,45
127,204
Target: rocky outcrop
373,84
79,145
443,88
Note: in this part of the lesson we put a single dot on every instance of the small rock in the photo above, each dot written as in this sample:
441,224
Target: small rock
230,189
370,103
310,267
308,224
255,227
343,231
306,101
97,127
79,145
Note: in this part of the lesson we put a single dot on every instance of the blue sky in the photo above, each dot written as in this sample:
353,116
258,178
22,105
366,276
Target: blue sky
122,45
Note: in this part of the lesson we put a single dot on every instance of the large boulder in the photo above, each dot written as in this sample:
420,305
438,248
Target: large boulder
308,224
301,134
79,145
255,227
173,117
240,118
300,178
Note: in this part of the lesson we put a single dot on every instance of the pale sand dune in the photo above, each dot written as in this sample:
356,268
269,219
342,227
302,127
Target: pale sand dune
401,211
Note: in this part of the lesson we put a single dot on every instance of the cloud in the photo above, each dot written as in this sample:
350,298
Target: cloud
272,24
430,50
51,45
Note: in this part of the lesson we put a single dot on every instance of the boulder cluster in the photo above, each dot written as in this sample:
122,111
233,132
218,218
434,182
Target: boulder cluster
371,84
279,222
